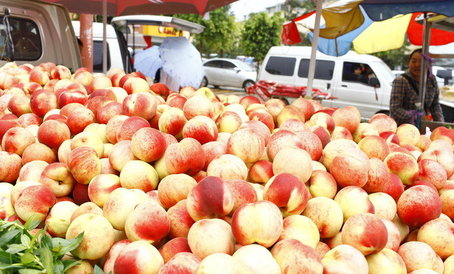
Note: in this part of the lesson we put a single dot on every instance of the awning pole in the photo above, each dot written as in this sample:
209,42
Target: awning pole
311,73
104,36
424,71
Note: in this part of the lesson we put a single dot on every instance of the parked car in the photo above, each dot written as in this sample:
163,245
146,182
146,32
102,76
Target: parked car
228,73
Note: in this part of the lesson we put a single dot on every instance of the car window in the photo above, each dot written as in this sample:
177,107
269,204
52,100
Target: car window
97,56
25,37
228,65
281,65
324,69
357,72
213,64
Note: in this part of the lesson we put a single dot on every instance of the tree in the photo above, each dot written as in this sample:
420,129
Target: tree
219,33
295,8
261,32
396,57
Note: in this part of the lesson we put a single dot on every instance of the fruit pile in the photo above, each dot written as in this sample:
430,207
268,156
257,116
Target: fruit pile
190,182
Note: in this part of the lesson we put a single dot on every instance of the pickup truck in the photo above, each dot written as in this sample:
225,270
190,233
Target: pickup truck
36,32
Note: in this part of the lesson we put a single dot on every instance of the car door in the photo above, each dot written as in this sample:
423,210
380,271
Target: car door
353,91
232,76
323,75
213,71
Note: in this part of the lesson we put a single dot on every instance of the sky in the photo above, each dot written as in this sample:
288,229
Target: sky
243,7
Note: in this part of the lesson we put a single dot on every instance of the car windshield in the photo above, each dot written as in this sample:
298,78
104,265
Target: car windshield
245,66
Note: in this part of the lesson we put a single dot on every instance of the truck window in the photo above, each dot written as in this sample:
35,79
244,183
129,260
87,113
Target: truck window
25,37
323,69
281,65
97,56
357,72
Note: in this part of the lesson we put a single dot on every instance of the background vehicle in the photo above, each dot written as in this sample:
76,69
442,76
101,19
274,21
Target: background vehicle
39,33
228,73
289,65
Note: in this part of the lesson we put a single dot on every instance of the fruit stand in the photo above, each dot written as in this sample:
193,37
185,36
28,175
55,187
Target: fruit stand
110,173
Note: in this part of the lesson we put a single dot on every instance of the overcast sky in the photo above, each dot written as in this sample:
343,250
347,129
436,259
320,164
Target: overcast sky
244,7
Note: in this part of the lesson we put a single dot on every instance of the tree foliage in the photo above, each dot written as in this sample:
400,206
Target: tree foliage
219,33
261,32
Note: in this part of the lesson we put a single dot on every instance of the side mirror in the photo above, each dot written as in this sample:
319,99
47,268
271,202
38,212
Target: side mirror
373,81
237,69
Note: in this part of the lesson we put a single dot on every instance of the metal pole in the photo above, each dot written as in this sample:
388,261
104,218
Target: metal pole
424,70
104,36
311,72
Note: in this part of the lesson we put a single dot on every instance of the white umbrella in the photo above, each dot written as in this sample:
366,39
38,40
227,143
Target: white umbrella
148,61
182,63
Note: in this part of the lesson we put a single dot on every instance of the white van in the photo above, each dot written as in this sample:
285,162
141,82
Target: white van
289,65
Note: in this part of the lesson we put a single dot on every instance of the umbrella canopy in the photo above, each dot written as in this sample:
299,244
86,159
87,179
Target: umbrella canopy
129,7
148,61
346,25
181,63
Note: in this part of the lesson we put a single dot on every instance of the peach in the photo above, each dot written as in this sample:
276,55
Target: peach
42,101
337,147
383,123
213,150
263,116
247,145
84,164
173,247
31,171
294,161
19,104
301,228
16,140
214,262
418,255
38,152
366,232
261,171
130,126
257,258
182,262
432,172
344,259
120,204
350,169
101,186
121,154
323,120
151,229
58,178
326,214
364,130
137,174
305,106
282,139
290,112
242,192
374,147
174,188
347,117
201,128
403,165
185,157
59,218
408,134
353,200
443,242
88,139
87,207
287,192
34,202
418,205
142,104
138,257
209,236
322,184
6,206
378,176
260,222
28,119
228,166
198,105
79,118
211,197
384,204
394,235
113,126
180,220
294,256
10,167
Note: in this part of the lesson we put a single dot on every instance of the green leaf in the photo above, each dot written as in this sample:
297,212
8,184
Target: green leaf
7,258
8,236
25,240
46,259
58,266
32,223
30,271
98,270
68,245
46,241
69,263
15,248
27,258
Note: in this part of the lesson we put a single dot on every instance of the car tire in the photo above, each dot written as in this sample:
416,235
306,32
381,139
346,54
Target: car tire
204,82
247,84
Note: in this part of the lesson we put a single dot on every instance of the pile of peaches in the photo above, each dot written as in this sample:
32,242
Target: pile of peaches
188,181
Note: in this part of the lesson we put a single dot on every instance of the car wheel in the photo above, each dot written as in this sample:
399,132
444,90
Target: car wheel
216,86
204,82
247,84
